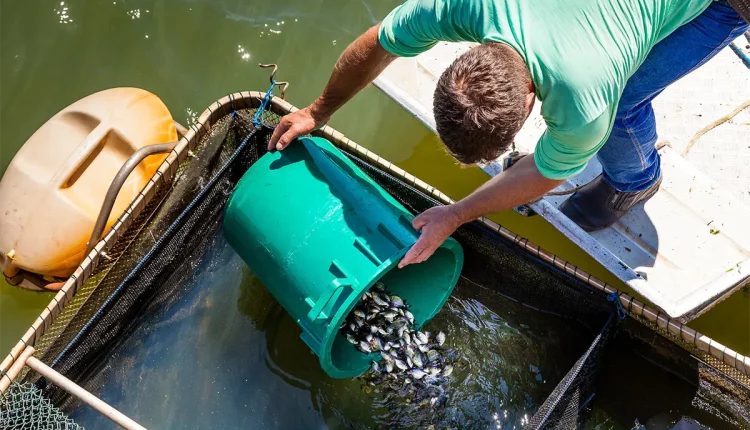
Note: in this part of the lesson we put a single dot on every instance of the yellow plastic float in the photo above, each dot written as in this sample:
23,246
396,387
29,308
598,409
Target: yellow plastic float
55,187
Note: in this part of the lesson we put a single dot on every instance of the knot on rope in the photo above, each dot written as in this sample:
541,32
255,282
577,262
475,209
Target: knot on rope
614,297
263,105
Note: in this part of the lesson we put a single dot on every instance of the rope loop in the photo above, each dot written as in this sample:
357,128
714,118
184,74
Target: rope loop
614,297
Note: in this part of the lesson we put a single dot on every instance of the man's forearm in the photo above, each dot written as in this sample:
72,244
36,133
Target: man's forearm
359,64
521,184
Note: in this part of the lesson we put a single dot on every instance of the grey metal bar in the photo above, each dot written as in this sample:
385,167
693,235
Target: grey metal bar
116,185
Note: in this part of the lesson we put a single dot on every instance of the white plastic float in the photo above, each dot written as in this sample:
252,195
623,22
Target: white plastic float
55,187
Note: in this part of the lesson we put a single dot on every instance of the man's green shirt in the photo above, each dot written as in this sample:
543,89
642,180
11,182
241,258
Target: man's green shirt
580,54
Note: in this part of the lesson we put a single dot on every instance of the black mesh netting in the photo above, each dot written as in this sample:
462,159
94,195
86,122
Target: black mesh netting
169,247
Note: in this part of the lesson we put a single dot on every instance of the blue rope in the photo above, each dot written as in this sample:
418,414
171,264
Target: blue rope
740,53
263,106
614,297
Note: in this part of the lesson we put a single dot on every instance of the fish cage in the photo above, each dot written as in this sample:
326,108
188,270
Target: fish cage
158,243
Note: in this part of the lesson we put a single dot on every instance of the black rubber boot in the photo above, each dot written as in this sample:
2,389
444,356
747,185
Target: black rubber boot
598,204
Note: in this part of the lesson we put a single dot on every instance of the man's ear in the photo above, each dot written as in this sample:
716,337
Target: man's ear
530,99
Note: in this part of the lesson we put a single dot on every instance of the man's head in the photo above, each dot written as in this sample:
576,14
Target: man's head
481,101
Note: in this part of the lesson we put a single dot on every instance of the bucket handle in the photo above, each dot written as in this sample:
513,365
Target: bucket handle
321,309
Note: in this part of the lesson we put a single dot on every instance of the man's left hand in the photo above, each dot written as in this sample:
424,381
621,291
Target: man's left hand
436,224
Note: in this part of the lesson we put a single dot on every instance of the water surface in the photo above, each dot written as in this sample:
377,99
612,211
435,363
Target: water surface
226,355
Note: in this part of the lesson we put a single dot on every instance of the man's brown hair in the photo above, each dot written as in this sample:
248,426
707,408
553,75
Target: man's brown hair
480,102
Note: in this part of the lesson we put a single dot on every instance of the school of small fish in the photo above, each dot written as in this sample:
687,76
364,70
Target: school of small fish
382,323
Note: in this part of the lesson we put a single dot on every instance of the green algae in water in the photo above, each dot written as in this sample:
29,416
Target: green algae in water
226,355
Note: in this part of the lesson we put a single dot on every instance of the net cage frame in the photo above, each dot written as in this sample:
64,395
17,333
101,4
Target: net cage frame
14,365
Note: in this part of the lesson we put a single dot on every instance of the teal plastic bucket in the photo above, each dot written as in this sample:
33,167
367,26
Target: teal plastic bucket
319,233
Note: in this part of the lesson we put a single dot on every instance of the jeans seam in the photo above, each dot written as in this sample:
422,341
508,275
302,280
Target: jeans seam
635,142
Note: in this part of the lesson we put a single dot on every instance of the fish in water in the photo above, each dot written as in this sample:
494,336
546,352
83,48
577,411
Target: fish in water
440,338
400,364
382,323
364,347
417,373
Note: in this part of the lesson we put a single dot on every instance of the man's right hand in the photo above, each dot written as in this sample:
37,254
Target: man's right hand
292,126
359,64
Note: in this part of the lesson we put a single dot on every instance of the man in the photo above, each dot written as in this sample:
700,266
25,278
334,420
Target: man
594,64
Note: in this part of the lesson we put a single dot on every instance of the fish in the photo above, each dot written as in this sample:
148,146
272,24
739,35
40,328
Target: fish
410,317
379,301
417,360
417,373
381,323
440,338
376,344
397,302
400,364
409,351
390,315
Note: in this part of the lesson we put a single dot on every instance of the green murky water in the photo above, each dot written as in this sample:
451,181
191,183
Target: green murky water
224,354
191,52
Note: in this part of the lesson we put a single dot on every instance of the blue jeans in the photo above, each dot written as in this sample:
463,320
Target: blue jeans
629,157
